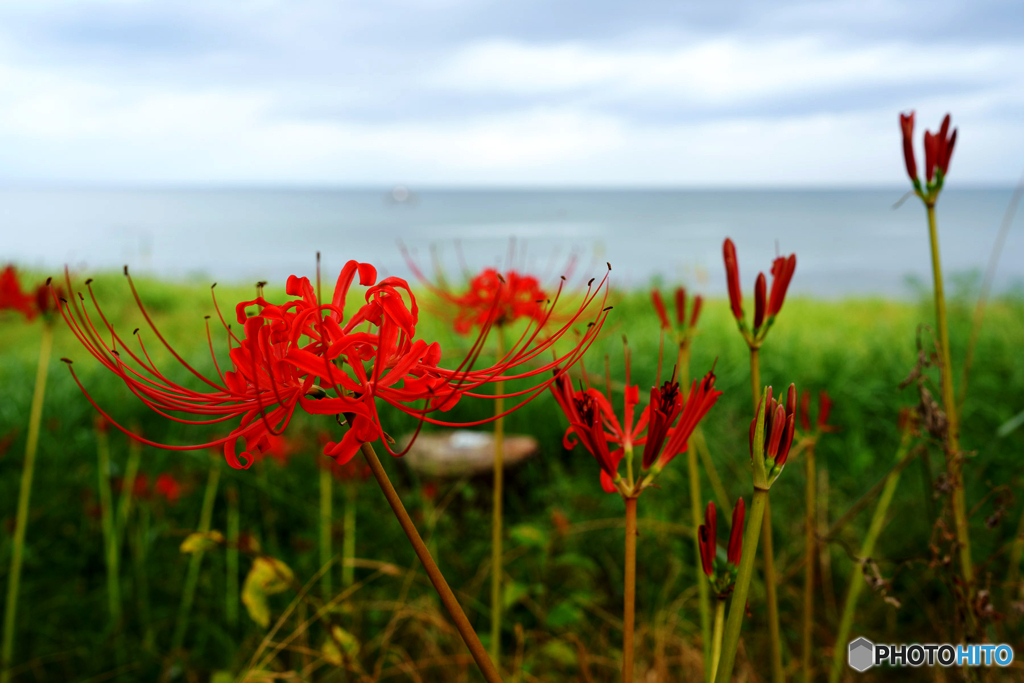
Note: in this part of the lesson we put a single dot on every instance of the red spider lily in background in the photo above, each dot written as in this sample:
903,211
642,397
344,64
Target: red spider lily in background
779,429
492,296
165,486
168,488
721,574
315,356
683,326
938,149
824,410
663,428
12,298
276,446
766,305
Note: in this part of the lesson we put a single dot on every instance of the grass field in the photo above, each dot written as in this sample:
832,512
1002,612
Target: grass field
564,550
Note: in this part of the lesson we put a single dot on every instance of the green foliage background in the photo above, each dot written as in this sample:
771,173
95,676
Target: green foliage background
564,589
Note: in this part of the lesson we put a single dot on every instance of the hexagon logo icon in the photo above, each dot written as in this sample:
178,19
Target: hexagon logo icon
861,654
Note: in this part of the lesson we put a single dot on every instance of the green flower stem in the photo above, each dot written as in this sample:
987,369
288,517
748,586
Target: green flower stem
497,526
696,505
348,543
739,597
810,544
196,560
716,650
326,514
868,547
24,493
778,675
131,471
109,536
629,588
451,604
232,597
949,405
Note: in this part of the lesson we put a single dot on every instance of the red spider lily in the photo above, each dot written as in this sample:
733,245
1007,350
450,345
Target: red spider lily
766,305
12,298
722,575
311,355
276,446
663,428
683,327
824,410
779,428
938,149
493,296
167,487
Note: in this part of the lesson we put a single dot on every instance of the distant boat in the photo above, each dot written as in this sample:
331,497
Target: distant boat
400,194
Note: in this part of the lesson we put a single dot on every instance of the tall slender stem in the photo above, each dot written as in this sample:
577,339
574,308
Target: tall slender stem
949,404
452,605
739,596
232,597
696,505
131,471
109,536
348,542
868,547
196,560
326,502
810,552
142,578
629,588
21,520
778,675
716,648
824,549
497,528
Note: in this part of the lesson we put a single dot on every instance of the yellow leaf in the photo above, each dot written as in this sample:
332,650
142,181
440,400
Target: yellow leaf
268,576
200,542
347,641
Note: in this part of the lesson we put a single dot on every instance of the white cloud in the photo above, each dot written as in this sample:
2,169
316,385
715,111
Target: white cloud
717,71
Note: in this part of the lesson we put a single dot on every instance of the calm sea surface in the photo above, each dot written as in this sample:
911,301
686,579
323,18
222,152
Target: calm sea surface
847,241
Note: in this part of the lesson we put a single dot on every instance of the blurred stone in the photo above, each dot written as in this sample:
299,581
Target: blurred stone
463,452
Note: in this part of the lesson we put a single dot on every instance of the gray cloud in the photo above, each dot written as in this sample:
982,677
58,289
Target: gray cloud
456,91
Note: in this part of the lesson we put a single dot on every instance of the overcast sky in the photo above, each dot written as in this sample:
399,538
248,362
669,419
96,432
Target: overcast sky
520,92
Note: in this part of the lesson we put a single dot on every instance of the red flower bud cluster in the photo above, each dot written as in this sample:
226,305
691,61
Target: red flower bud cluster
766,304
682,324
779,428
722,575
938,149
824,410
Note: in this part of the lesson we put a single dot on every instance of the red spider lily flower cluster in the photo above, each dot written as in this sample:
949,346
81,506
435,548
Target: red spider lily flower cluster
663,428
13,298
321,358
165,486
721,574
938,149
824,410
492,296
779,429
684,326
766,305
